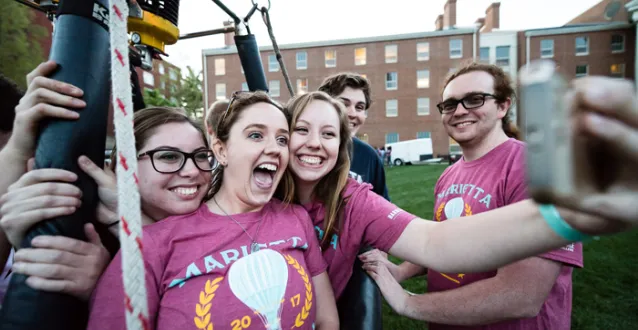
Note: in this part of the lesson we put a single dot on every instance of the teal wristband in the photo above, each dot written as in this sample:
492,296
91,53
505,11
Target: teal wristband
559,226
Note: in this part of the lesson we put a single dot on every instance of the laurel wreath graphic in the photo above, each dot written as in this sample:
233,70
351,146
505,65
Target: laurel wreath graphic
202,309
468,210
305,310
439,211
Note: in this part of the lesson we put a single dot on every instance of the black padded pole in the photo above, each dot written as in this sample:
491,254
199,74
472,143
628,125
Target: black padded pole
81,49
251,62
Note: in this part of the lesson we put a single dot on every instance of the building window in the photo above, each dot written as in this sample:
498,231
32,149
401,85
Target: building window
423,106
618,70
220,91
391,108
422,51
456,48
220,66
244,87
149,79
423,79
503,55
391,81
302,86
422,135
162,84
582,45
302,60
617,43
172,74
391,138
391,53
273,65
582,70
547,48
331,58
484,54
360,56
274,87
161,68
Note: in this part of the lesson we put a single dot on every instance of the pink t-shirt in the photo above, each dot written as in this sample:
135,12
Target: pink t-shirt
201,275
368,219
495,180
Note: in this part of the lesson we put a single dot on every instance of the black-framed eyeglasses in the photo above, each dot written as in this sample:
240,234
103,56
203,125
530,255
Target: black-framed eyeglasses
469,102
168,160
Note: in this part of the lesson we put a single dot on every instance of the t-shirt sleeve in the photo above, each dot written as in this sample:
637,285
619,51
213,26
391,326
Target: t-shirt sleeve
107,303
381,221
314,259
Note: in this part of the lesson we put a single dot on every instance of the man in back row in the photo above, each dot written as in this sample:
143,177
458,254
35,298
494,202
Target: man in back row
535,293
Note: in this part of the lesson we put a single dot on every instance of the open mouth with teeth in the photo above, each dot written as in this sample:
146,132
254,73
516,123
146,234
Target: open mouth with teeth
186,192
312,161
463,124
264,175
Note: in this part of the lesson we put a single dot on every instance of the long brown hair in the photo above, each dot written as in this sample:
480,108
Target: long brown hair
238,103
330,188
503,90
146,122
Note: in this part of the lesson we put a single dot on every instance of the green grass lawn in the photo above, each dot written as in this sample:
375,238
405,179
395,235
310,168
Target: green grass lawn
605,291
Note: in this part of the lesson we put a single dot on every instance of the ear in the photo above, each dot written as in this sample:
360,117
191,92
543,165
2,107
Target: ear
503,108
220,151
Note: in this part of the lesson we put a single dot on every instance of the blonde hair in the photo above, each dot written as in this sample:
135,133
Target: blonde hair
330,188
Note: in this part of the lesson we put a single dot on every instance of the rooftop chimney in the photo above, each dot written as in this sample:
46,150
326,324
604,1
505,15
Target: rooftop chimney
229,39
439,23
492,17
480,22
449,14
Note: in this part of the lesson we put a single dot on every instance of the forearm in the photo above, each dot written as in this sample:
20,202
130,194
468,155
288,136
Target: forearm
13,165
407,270
490,240
479,303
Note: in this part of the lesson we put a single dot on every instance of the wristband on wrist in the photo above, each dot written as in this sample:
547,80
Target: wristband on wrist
112,224
560,226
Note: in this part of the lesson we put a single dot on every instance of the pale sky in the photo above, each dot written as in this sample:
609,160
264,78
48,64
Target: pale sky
315,20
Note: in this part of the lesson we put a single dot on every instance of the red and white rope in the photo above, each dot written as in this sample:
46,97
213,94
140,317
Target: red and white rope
127,183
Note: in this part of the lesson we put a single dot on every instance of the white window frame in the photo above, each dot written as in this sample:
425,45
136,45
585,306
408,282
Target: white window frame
550,49
423,78
220,91
393,134
481,59
389,86
160,67
586,70
220,66
172,73
429,135
454,49
392,104
502,58
422,106
300,86
302,64
423,54
582,53
389,57
148,78
362,59
623,69
244,86
275,88
330,62
273,64
622,44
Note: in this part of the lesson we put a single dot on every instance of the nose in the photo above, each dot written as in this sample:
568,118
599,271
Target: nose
460,110
313,141
272,147
352,112
189,169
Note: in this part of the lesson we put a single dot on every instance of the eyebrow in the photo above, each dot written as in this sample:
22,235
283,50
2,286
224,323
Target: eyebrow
177,149
263,127
308,123
466,95
349,100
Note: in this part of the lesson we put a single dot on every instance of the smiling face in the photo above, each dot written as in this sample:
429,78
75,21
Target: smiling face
314,143
255,155
355,103
469,126
165,195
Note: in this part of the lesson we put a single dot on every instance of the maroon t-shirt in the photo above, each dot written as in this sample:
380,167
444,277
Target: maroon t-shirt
495,180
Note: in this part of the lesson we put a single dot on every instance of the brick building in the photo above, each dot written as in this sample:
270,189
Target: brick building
164,77
406,72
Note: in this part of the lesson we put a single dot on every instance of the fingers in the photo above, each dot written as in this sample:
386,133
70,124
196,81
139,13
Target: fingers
101,177
30,164
92,235
40,202
372,255
47,256
63,244
50,285
49,271
41,189
613,132
37,79
44,69
610,96
44,175
15,226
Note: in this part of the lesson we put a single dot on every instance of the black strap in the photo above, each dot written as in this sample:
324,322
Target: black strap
92,10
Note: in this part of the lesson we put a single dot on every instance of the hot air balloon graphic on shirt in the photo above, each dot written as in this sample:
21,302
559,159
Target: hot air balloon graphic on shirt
454,208
259,280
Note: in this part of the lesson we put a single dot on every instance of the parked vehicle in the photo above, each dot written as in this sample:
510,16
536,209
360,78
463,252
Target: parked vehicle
455,153
410,151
